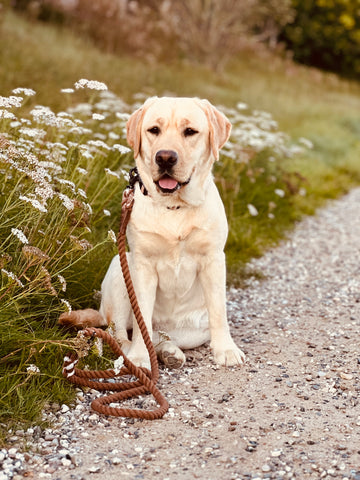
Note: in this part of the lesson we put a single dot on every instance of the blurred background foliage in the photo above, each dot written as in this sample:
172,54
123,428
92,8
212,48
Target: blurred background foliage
320,33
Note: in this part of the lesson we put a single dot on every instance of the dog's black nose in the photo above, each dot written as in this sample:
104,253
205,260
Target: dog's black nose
166,159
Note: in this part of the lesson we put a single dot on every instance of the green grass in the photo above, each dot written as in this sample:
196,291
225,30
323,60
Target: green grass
304,102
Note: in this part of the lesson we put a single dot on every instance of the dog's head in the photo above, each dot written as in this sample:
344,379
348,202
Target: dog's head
175,142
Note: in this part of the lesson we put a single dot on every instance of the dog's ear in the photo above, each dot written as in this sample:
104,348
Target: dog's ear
219,127
133,126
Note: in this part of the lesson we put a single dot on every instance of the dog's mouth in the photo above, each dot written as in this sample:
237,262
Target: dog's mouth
167,184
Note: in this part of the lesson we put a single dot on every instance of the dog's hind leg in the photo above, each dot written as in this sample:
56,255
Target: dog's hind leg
82,319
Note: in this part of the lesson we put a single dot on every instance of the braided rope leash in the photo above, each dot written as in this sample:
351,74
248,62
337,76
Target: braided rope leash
146,380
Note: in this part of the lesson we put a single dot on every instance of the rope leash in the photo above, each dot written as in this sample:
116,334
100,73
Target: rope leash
146,380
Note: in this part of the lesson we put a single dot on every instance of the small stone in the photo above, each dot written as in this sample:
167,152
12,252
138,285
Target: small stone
94,469
346,376
266,468
64,408
66,462
276,453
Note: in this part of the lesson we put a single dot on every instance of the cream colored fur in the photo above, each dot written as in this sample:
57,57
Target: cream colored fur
176,239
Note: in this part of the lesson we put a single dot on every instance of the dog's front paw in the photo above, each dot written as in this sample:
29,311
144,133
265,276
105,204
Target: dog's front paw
229,356
140,360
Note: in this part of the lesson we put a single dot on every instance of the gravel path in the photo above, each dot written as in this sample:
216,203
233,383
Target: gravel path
291,412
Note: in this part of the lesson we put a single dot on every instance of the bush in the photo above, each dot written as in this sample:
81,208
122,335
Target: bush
326,34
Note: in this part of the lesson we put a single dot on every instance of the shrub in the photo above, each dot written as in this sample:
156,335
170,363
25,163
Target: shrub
326,34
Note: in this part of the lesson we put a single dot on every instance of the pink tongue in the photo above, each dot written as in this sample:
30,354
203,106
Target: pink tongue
168,183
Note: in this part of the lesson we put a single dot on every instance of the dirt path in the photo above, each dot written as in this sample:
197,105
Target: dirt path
291,412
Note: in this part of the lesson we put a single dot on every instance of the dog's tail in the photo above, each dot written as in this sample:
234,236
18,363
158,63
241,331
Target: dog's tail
82,319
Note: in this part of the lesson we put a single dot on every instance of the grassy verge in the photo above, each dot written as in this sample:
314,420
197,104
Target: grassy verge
62,176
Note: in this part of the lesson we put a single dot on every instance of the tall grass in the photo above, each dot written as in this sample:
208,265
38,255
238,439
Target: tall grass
63,167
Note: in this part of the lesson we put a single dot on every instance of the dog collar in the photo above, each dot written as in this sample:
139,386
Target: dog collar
134,177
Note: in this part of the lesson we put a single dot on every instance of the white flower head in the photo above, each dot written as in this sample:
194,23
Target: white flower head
67,305
20,235
98,116
91,84
280,193
33,369
118,364
252,210
63,283
28,92
12,101
67,90
112,236
7,115
12,276
121,148
111,173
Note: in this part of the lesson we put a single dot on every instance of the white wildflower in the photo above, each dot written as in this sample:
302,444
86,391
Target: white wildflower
13,277
20,235
63,283
88,208
7,115
86,154
121,148
67,90
32,132
98,144
241,106
118,364
91,84
68,183
122,116
66,201
67,304
9,102
28,92
306,142
280,193
33,369
82,170
252,210
111,173
98,116
35,203
82,192
114,136
112,236
98,344
107,213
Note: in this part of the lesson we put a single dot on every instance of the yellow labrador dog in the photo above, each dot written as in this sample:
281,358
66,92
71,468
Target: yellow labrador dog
176,234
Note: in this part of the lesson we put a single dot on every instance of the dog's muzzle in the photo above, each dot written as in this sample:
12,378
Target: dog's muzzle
166,160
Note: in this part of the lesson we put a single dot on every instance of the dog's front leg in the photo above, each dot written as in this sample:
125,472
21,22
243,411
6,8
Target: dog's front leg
144,278
213,280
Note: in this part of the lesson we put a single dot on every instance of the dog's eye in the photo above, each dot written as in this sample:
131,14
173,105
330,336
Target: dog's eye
154,130
189,132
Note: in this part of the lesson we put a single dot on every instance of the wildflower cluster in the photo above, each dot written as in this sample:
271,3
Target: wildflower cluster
59,172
